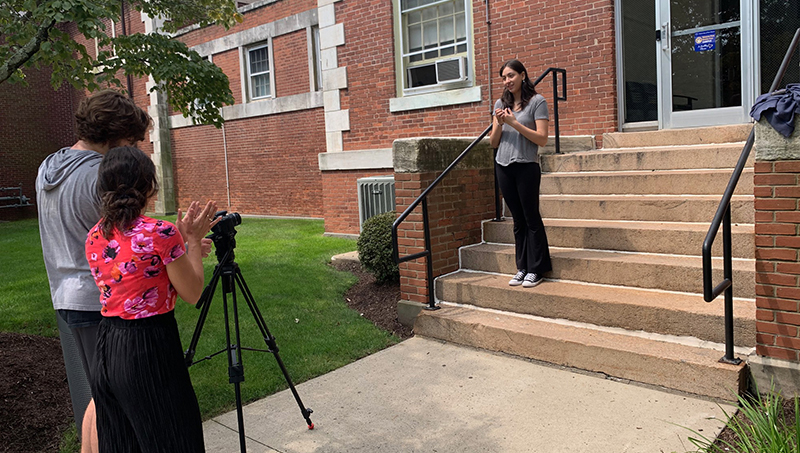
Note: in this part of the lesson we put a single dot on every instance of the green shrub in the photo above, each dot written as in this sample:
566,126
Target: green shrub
375,248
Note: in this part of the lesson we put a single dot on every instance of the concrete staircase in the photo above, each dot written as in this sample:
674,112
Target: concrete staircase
626,227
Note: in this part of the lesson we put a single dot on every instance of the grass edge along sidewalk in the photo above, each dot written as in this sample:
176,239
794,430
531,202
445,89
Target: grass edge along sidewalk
285,264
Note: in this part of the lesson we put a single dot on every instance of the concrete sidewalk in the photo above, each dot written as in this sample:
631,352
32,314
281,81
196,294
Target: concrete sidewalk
423,395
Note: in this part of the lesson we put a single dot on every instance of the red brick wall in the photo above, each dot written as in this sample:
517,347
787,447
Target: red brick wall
228,61
777,269
456,207
576,36
36,120
339,190
291,63
272,163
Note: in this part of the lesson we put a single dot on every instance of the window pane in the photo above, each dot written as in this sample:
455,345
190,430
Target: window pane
429,14
421,76
448,51
447,32
430,35
407,4
259,60
446,9
414,17
414,38
459,5
260,85
461,27
433,54
461,48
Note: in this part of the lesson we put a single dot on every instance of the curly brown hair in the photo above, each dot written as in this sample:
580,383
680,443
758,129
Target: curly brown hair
126,179
108,117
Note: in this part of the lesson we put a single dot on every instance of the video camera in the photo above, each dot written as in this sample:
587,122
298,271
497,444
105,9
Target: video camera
223,234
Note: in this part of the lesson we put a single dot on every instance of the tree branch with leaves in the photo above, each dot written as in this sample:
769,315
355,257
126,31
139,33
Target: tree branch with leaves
33,33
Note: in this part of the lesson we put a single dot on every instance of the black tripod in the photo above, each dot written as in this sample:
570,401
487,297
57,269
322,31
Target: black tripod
227,270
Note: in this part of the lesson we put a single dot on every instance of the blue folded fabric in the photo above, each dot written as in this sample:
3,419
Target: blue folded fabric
779,108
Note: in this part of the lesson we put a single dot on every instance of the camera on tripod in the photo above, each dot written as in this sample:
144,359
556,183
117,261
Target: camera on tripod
223,234
228,272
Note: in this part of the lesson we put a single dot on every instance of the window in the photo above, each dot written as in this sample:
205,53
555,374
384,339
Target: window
258,72
316,58
434,43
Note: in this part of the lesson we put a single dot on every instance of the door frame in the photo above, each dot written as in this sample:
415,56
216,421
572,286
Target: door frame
709,117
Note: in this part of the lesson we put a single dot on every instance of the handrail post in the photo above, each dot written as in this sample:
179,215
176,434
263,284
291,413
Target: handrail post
728,275
555,109
429,259
498,207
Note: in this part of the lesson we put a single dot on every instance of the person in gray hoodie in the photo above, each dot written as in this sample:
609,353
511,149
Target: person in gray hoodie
69,206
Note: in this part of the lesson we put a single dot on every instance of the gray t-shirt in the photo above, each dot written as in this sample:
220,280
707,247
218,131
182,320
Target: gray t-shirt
514,147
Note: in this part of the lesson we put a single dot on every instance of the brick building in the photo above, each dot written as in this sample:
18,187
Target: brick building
323,89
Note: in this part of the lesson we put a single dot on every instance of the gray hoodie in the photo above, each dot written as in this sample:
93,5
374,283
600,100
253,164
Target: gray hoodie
69,207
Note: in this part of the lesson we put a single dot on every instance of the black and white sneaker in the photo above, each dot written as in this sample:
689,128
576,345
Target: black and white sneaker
531,280
517,279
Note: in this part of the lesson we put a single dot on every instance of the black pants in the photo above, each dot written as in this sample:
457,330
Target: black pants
142,390
520,186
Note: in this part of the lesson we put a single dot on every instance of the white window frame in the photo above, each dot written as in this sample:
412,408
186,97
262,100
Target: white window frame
315,58
402,63
270,72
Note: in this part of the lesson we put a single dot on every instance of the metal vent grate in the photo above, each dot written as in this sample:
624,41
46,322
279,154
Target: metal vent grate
375,196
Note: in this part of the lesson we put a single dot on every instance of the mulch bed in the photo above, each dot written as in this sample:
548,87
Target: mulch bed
36,408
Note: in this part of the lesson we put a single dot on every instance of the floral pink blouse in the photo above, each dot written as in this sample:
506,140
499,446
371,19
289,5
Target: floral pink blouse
131,268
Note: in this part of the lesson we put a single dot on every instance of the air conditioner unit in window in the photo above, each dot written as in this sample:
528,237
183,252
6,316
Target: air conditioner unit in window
375,196
451,70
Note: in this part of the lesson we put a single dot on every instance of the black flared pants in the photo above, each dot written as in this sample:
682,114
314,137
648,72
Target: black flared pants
519,183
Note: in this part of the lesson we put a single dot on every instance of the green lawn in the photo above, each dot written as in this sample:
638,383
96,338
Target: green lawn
284,263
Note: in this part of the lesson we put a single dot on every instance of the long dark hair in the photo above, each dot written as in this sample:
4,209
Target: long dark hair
126,180
527,90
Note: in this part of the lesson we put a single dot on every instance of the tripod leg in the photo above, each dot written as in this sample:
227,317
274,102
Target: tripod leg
235,368
205,299
270,341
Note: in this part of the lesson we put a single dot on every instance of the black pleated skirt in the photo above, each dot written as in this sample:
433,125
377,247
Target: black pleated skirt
143,394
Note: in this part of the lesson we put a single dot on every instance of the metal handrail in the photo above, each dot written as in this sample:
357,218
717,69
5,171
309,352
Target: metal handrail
423,197
723,217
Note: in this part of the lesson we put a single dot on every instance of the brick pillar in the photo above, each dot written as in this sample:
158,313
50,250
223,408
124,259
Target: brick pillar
456,208
777,218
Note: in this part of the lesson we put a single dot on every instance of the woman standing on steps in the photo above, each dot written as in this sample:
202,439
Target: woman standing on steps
519,129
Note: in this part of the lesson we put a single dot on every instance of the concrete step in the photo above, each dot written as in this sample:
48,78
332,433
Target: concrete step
670,238
639,270
656,182
656,158
658,208
666,137
692,369
661,312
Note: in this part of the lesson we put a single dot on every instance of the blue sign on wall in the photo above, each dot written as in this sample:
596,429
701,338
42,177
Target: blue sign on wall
705,40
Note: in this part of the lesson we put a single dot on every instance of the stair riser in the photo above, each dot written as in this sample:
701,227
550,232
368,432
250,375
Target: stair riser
623,314
655,183
668,372
619,273
672,137
676,242
681,210
723,156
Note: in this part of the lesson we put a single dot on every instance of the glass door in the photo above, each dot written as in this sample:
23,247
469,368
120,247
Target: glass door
706,74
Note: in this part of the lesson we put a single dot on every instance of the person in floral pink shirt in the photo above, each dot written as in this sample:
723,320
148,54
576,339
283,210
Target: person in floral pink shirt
143,394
